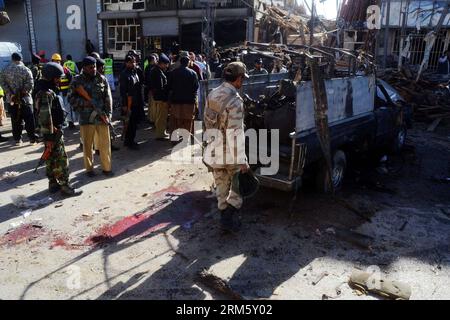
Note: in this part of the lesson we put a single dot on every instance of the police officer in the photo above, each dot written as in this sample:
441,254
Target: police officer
225,151
131,96
91,97
51,120
17,82
258,70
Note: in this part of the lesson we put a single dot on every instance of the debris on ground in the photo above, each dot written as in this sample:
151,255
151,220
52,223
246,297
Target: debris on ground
214,282
355,238
319,277
376,283
21,201
10,176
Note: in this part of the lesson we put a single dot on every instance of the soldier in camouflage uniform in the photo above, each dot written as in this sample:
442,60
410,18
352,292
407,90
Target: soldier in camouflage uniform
17,82
224,124
51,119
91,112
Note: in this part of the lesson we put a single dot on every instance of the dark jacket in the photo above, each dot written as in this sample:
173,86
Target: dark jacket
183,85
159,84
130,86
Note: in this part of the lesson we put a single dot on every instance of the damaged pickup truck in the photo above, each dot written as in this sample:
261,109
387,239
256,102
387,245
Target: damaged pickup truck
322,119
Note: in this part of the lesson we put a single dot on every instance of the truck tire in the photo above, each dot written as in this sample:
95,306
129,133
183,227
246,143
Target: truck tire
399,141
339,162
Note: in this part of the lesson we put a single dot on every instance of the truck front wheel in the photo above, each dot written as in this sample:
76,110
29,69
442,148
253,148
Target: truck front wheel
339,165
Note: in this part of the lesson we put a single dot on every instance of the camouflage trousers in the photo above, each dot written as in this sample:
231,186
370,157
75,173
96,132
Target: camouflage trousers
225,195
57,164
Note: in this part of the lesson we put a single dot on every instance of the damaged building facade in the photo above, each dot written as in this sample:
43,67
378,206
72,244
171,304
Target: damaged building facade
407,28
114,27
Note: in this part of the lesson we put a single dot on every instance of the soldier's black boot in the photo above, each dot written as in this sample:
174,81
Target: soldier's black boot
68,191
53,186
229,219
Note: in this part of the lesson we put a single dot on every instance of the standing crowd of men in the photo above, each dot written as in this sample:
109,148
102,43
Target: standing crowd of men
51,96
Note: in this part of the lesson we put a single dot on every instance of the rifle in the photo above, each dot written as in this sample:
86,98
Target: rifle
83,93
49,145
126,116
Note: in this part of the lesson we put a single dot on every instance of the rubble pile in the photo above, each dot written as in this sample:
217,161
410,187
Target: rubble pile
277,25
431,100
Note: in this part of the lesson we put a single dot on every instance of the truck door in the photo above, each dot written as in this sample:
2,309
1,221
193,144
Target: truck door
385,116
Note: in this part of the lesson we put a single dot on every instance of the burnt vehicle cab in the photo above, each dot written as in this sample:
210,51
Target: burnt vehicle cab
363,114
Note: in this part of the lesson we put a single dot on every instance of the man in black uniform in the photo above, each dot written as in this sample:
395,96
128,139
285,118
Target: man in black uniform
131,96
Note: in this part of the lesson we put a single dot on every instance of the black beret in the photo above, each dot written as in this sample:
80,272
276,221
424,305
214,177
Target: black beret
163,58
89,61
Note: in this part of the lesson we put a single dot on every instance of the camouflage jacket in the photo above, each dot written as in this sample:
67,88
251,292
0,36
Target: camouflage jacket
49,108
224,123
36,71
17,79
99,91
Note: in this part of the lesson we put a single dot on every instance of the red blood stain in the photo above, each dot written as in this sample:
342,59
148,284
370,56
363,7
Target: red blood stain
170,208
63,243
24,233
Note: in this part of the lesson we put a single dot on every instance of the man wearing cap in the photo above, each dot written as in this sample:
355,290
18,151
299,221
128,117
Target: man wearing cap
51,120
183,86
17,82
258,70
152,62
160,93
91,98
64,87
131,96
225,151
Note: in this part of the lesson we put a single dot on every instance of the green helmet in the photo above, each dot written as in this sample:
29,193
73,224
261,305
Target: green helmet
52,70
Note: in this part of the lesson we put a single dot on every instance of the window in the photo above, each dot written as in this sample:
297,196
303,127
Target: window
123,35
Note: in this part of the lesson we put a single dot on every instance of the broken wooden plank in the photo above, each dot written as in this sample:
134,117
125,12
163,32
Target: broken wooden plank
214,282
378,284
434,125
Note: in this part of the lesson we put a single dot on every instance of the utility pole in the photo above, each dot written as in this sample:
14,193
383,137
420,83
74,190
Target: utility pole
311,28
209,12
386,32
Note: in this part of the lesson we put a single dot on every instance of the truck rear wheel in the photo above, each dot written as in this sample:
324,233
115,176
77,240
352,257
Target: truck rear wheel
339,165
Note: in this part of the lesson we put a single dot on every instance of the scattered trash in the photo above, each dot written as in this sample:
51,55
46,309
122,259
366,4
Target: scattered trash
20,201
58,205
191,174
376,283
320,277
144,195
10,176
330,231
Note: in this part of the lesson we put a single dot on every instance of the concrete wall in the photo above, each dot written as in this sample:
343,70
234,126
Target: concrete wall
16,30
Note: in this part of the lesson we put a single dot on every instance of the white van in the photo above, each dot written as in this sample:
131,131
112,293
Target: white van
6,50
